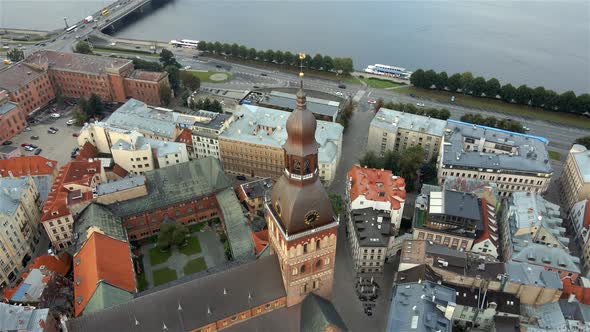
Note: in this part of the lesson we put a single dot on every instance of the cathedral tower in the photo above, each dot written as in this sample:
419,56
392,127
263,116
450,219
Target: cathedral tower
301,224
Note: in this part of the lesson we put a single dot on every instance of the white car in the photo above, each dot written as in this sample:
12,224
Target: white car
420,104
29,148
55,115
70,122
338,93
187,67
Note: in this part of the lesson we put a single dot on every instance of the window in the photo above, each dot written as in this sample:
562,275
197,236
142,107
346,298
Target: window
302,269
317,244
318,263
305,248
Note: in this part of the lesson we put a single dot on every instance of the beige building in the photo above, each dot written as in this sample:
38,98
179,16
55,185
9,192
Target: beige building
19,226
120,190
392,130
206,130
140,154
575,179
516,162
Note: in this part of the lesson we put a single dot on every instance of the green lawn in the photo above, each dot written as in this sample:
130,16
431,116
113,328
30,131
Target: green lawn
192,246
380,84
196,227
163,276
195,265
205,76
159,257
141,282
499,106
554,155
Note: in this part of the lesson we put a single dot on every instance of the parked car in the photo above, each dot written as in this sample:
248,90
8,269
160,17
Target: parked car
371,101
33,146
526,128
55,115
24,144
28,129
29,148
75,134
70,122
38,151
54,129
340,94
51,131
241,178
342,86
7,143
420,104
263,74
35,137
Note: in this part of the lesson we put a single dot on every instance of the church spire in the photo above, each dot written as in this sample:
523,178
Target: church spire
301,100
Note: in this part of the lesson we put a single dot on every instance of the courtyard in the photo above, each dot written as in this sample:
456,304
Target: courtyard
202,250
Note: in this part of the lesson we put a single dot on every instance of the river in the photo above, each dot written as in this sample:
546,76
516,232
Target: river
521,42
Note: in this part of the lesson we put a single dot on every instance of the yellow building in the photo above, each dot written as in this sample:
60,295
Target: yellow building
575,179
19,230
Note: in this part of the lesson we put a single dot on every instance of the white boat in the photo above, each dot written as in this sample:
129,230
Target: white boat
186,43
385,70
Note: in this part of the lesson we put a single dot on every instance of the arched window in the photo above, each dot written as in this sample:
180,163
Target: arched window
302,269
305,248
317,244
318,263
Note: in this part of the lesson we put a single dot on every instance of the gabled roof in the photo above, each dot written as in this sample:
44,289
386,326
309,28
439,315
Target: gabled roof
106,296
581,293
22,318
185,137
28,165
102,259
59,264
97,217
490,225
319,314
377,185
87,151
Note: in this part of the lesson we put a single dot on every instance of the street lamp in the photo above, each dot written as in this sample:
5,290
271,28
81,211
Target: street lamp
66,21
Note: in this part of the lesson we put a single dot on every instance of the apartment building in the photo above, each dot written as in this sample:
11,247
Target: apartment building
186,137
392,130
19,225
532,232
71,191
206,130
12,119
579,221
377,189
575,179
253,194
516,162
369,233
252,144
138,154
27,85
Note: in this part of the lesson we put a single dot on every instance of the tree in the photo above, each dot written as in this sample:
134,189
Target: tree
190,81
328,63
203,46
58,95
251,54
172,234
147,65
378,104
184,98
278,57
567,102
269,55
583,103
218,47
538,96
370,159
410,161
243,52
173,76
215,106
206,104
235,49
551,98
307,61
288,58
337,203
429,172
454,82
260,55
15,55
167,59
441,80
83,47
492,88
317,62
478,86
466,81
507,92
342,64
523,95
80,117
418,78
430,78
585,141
226,48
94,106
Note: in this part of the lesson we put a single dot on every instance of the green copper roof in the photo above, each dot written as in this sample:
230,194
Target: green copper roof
317,314
238,232
99,216
176,184
106,296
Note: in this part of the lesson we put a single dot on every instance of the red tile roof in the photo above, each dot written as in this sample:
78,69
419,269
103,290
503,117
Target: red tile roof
120,171
260,240
185,137
582,293
60,264
79,172
87,151
101,258
144,75
377,185
490,225
29,165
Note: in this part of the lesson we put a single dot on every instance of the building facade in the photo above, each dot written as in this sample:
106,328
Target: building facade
19,218
251,145
138,154
392,130
579,221
12,119
206,130
516,162
27,85
254,194
301,225
369,232
575,179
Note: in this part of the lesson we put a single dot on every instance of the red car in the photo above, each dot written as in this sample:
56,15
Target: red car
24,144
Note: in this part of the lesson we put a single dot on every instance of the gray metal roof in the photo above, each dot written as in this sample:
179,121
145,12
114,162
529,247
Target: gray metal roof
529,274
215,120
540,254
120,184
22,318
531,156
7,107
7,148
581,157
392,120
315,105
250,123
257,188
137,115
192,304
318,314
238,231
546,316
415,307
176,184
575,310
43,184
98,216
461,204
371,227
10,193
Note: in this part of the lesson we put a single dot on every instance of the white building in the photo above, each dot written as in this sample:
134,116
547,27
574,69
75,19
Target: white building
139,154
206,130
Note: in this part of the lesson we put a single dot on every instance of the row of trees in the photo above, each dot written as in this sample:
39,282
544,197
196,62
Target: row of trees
206,104
15,55
346,115
466,83
88,108
490,121
406,164
442,113
317,62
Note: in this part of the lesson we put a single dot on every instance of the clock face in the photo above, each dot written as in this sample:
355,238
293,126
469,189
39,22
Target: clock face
312,217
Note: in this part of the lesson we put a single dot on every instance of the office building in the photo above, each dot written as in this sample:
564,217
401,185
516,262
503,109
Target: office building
369,233
205,133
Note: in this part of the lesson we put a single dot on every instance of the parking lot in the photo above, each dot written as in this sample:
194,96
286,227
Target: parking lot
56,146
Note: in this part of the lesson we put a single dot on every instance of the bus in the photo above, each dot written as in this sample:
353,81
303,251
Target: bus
186,43
72,28
104,12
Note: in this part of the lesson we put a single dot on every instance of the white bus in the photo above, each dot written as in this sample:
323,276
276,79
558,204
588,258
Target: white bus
186,43
72,28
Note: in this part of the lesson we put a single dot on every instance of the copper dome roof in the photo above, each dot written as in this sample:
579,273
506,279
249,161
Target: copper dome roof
301,126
